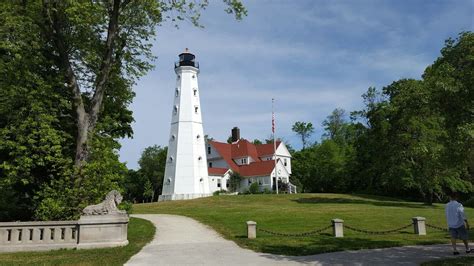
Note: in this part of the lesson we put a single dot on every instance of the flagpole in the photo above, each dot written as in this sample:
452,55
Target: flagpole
274,146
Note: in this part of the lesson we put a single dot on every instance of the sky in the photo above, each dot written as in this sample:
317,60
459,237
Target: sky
312,56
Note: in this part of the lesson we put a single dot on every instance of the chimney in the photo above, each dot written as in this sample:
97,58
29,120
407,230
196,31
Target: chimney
235,134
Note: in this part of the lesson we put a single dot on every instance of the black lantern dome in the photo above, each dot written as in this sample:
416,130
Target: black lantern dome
187,59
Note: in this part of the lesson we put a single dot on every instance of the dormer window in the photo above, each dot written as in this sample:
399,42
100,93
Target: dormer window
244,160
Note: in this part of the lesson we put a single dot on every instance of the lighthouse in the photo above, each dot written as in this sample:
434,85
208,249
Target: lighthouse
186,173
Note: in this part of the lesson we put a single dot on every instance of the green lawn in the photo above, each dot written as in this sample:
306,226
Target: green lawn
451,262
140,232
297,213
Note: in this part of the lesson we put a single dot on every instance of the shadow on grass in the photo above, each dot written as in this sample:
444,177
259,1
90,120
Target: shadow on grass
321,200
328,244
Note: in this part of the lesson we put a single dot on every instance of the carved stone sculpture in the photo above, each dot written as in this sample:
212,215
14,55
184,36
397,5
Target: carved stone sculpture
108,206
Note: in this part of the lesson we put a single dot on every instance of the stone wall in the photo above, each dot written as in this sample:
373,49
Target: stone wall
88,232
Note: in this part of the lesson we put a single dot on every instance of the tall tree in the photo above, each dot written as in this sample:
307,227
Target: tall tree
68,67
152,167
304,130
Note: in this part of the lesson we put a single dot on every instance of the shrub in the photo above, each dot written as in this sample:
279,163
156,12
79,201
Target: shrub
469,203
126,206
254,189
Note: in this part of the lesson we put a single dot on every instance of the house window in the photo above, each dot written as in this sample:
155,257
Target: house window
195,92
208,149
218,183
227,185
210,164
250,181
196,108
285,162
244,160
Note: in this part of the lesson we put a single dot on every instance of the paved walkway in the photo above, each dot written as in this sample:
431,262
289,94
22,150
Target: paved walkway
183,241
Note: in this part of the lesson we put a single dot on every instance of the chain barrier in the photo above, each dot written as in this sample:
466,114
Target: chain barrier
317,231
377,232
437,227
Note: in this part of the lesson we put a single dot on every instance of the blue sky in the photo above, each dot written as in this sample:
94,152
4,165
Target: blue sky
312,56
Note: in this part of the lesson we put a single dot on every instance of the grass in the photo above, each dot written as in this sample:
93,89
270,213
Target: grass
451,262
297,213
140,232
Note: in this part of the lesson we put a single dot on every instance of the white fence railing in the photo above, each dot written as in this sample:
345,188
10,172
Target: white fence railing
87,232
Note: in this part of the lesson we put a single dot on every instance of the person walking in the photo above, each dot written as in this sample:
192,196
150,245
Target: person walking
457,223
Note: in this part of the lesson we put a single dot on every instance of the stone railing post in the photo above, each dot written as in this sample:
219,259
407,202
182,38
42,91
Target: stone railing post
338,227
419,225
251,229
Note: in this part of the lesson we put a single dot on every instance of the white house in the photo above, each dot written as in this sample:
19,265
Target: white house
195,168
254,162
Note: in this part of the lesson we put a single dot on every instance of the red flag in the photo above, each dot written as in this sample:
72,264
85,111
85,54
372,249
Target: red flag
273,119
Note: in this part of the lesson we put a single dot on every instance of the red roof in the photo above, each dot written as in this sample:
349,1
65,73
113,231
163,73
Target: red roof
243,148
262,168
217,171
266,149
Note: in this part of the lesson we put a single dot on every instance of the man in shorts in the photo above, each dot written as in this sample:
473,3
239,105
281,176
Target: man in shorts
457,223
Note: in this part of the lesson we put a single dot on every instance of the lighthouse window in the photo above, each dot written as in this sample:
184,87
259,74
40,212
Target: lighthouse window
194,76
196,108
195,92
201,180
175,109
171,159
173,137
198,137
168,181
199,158
179,76
177,92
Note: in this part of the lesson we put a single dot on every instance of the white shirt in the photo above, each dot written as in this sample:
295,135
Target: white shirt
455,214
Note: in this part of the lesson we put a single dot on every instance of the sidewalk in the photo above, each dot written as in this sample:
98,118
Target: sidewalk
181,240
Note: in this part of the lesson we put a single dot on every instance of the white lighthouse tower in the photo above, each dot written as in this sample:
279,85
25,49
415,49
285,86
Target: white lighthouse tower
186,175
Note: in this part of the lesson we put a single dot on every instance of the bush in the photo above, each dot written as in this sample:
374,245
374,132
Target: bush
218,192
469,203
254,189
126,206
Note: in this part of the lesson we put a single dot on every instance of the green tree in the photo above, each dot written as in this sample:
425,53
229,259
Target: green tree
304,130
68,67
152,167
148,192
234,181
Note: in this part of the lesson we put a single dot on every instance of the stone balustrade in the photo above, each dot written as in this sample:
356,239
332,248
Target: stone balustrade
87,232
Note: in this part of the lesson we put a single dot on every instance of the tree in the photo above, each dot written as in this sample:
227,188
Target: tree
234,181
74,63
257,142
148,190
335,125
304,130
152,166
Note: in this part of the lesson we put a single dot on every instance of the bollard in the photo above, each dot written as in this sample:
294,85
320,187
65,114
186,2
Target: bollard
251,229
338,227
419,225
